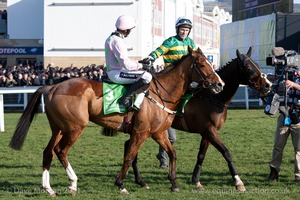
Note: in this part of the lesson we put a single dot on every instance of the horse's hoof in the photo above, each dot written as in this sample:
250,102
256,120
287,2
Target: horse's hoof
51,192
53,195
176,189
240,188
146,187
199,186
124,191
72,192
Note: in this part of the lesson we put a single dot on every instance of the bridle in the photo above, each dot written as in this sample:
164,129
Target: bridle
251,66
203,78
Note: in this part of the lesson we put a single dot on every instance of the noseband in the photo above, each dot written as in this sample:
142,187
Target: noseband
253,68
203,78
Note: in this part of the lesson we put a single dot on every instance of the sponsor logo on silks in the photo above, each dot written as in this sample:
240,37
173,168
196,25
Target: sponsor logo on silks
127,75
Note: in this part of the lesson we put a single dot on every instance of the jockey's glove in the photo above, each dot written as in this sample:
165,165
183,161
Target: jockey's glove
146,67
149,60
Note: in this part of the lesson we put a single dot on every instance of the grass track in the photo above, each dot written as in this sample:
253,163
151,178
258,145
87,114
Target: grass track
97,160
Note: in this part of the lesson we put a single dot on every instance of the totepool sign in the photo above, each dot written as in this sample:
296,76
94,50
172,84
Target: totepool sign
21,50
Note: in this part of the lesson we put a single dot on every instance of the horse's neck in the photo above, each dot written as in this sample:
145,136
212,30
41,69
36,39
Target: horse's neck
171,86
230,75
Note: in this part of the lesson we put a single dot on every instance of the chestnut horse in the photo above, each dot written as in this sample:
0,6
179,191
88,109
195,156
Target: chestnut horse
71,104
205,113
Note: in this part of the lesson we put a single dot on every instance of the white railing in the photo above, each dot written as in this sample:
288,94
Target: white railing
32,89
246,100
16,90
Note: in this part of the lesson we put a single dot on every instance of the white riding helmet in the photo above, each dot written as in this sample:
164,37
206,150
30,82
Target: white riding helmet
184,22
125,22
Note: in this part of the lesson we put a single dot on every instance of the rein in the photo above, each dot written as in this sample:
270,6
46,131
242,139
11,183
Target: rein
157,92
206,83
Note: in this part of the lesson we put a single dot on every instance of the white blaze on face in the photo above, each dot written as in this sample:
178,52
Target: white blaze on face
212,68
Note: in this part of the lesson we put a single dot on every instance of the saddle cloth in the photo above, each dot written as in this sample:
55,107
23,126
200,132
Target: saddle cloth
111,94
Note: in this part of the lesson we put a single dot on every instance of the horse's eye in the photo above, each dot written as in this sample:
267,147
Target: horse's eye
200,64
206,84
248,68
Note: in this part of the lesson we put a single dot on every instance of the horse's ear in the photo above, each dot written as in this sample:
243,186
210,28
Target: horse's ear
199,50
249,52
238,54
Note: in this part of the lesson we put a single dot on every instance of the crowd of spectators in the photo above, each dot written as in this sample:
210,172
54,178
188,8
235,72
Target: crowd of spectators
38,75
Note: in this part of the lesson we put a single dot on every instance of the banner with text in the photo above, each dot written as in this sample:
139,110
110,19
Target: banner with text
21,50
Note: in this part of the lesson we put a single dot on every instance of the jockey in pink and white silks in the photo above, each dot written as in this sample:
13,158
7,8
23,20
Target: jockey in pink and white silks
121,69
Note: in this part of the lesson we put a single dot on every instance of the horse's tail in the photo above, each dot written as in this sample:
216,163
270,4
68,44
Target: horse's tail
109,132
27,117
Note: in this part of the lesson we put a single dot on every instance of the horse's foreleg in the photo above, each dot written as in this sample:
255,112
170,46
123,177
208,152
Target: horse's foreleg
239,185
137,175
172,168
200,158
135,143
165,143
216,141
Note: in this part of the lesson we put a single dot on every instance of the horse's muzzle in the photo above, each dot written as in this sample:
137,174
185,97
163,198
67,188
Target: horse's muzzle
215,89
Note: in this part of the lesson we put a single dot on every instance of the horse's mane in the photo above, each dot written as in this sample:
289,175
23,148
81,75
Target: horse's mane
225,66
172,66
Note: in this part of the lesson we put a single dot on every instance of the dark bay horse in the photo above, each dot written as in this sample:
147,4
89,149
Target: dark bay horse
71,104
205,113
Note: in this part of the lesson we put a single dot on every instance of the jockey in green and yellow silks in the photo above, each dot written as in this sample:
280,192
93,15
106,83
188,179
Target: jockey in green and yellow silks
173,48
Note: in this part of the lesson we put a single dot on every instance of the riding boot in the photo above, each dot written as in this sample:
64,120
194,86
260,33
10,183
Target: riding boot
273,176
139,98
135,88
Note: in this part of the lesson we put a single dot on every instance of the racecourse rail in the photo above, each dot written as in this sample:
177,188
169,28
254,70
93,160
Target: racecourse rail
31,89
